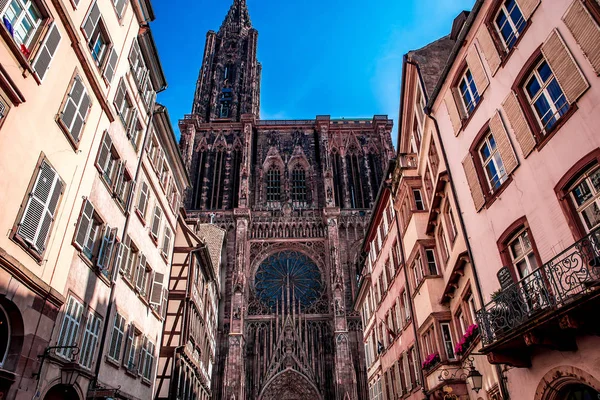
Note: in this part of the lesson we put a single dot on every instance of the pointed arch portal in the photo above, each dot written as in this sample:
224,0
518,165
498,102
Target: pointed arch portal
289,385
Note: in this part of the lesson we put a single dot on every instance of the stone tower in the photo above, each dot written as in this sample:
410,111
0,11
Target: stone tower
294,198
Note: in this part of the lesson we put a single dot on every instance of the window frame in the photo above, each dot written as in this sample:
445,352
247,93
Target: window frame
518,226
100,30
471,89
490,25
272,181
65,102
513,25
80,308
530,115
123,331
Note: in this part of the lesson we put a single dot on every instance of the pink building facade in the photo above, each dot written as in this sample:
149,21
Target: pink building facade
517,112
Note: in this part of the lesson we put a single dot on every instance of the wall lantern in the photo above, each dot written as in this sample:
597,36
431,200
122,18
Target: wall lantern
467,373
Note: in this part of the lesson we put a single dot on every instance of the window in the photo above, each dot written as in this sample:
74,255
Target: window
492,163
156,222
406,369
90,340
428,342
406,305
273,184
298,184
415,365
42,203
143,199
585,194
420,206
225,103
418,270
468,92
119,7
164,175
4,109
509,23
108,161
132,349
117,337
545,96
136,63
166,245
522,254
130,259
124,187
98,40
123,105
22,19
447,338
431,264
5,335
141,275
355,187
450,223
147,359
472,309
75,109
134,130
157,289
70,327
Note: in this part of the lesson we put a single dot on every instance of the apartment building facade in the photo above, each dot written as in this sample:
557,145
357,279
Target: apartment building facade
78,81
189,347
517,112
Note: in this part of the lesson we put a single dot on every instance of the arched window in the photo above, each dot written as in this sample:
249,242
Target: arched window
199,186
218,180
4,335
298,184
235,177
585,194
337,180
376,173
273,184
355,187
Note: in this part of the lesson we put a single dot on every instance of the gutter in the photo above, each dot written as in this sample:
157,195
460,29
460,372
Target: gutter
455,50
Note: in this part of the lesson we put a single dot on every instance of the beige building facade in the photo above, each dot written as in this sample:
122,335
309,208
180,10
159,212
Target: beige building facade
92,181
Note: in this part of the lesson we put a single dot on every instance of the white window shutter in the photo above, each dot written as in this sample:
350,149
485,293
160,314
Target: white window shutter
107,250
116,267
167,241
124,256
133,122
156,221
91,21
128,344
120,96
120,6
40,209
70,327
143,200
85,223
165,300
118,176
157,289
129,199
111,65
46,53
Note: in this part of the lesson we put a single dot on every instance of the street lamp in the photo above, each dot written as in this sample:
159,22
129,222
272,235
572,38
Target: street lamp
68,375
467,373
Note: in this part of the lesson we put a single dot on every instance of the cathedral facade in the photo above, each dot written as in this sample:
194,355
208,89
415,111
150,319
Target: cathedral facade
294,197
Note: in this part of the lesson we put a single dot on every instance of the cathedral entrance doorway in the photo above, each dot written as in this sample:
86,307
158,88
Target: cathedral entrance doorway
289,385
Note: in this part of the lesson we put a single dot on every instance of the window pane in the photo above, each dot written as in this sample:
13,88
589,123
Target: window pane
591,215
544,112
485,152
582,193
516,249
532,87
556,93
544,71
595,178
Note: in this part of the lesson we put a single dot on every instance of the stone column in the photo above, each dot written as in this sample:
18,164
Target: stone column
345,377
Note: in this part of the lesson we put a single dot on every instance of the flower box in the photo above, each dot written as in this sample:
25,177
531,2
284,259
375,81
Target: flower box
465,342
431,361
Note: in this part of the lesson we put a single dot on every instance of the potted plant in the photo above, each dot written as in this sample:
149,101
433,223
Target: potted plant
431,361
467,340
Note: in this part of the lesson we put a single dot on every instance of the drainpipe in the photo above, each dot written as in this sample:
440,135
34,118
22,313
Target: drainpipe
129,213
502,383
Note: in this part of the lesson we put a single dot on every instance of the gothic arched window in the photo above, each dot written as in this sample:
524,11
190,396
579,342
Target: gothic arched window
218,180
376,173
273,184
355,187
199,186
225,103
298,184
235,177
337,180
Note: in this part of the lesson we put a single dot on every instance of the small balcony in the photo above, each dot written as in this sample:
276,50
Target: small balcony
545,308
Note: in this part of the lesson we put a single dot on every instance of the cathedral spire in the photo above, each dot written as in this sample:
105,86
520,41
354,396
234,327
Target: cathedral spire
237,18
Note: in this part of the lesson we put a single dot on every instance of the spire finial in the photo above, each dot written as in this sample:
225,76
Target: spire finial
237,18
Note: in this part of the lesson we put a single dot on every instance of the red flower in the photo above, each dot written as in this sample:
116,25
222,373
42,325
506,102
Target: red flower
25,51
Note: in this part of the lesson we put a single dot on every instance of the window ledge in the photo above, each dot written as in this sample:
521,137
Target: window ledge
131,373
559,124
14,49
65,130
153,238
146,382
140,216
111,361
39,258
491,198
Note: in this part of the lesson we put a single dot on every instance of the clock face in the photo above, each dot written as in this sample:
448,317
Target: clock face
288,271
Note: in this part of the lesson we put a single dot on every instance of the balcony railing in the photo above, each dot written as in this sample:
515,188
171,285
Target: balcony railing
570,275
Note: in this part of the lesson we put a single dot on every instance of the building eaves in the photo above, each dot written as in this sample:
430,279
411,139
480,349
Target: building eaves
162,116
150,54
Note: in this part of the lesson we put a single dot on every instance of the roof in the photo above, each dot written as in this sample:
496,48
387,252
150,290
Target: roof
432,60
214,238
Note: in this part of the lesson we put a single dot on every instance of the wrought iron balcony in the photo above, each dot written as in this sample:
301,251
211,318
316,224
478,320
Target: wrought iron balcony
571,275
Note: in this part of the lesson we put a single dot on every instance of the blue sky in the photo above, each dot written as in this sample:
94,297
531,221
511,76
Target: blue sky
337,57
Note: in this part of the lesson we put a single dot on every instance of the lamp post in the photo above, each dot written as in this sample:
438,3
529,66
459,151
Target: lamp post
467,373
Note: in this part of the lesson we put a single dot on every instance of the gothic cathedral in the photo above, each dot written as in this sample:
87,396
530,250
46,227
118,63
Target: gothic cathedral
295,198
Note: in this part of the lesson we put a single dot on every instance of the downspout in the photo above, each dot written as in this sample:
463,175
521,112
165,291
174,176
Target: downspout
502,383
129,213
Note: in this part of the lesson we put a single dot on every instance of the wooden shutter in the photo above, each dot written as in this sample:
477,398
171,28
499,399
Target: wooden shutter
128,345
91,21
509,158
453,112
130,193
124,250
134,55
133,124
116,267
166,242
120,96
528,7
70,326
566,71
586,32
120,6
518,123
473,181
141,272
157,289
38,216
46,53
85,223
104,154
165,300
476,68
111,65
107,250
486,44
81,100
73,99
143,200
